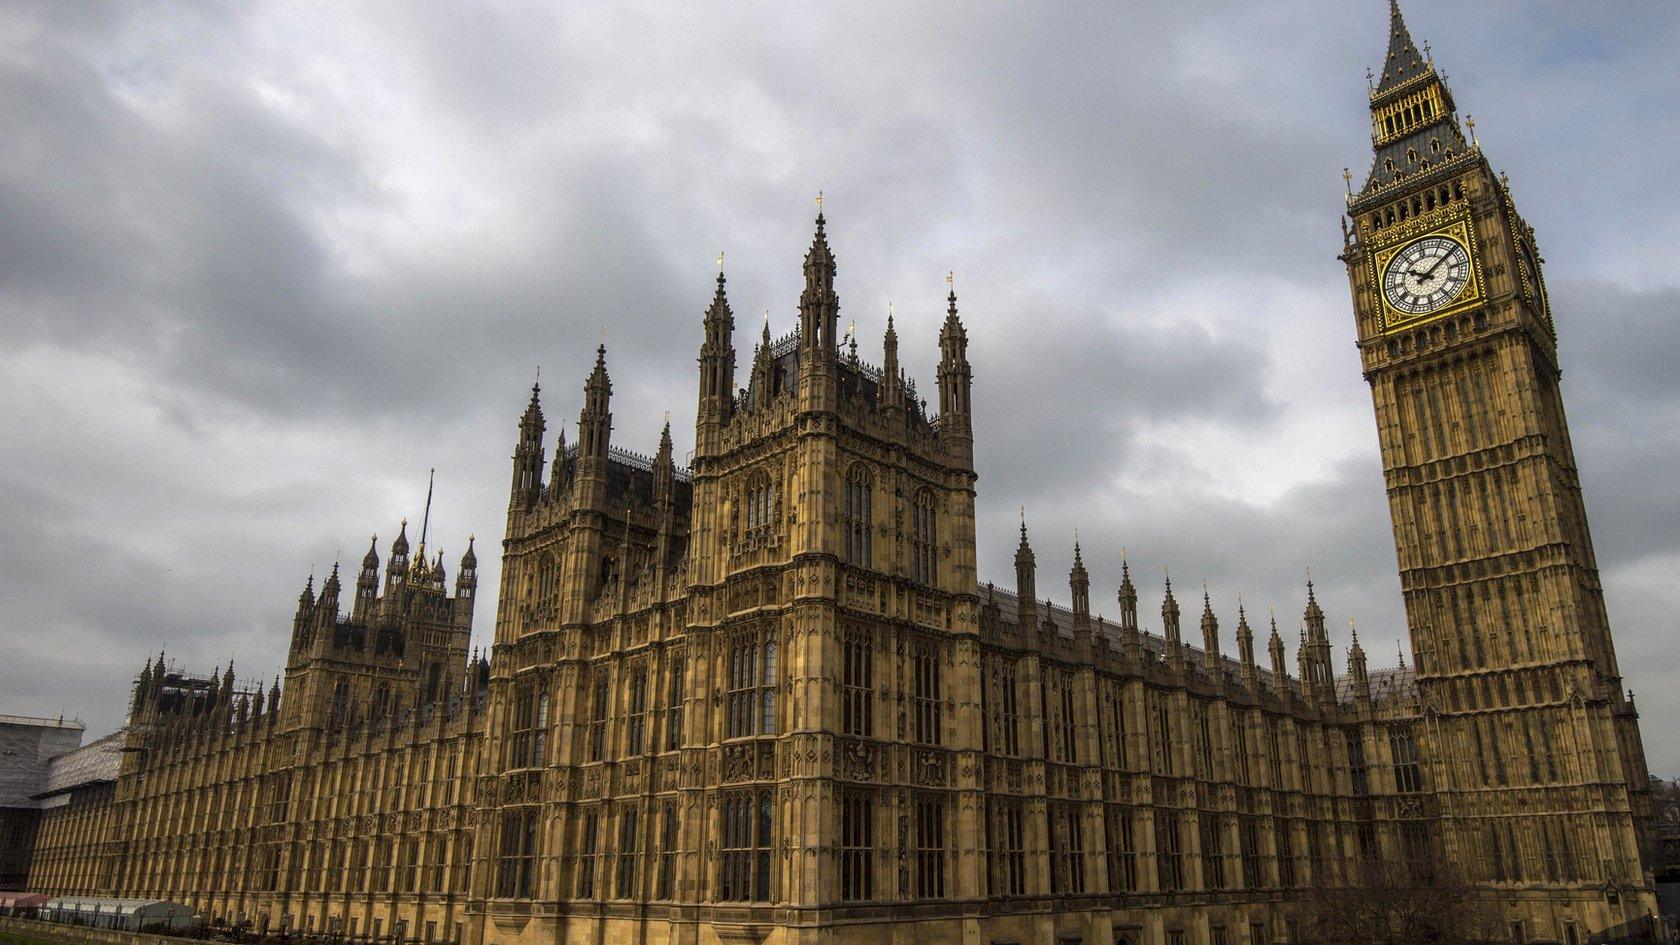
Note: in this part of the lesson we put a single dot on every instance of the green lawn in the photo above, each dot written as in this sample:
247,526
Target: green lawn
14,938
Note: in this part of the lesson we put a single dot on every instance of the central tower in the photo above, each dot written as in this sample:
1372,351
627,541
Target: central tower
1538,768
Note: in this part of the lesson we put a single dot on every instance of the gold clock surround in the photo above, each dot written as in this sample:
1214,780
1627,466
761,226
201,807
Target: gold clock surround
1455,227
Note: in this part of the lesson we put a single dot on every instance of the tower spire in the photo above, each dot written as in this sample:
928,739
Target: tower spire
956,379
819,307
426,516
1026,570
527,455
1403,62
717,366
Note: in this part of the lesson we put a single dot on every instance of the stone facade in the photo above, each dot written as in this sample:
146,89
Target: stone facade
768,699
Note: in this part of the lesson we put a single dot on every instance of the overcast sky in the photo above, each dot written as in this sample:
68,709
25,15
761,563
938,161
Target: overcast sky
262,265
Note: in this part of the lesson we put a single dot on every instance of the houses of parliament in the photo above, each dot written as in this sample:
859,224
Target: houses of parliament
768,698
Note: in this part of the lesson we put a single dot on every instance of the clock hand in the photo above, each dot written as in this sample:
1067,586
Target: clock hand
1437,265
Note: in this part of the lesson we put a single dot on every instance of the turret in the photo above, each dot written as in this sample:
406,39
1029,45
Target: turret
302,621
1280,669
1210,636
1303,666
326,607
763,369
1131,641
664,502
1357,672
892,381
528,455
367,583
1245,651
1079,584
466,582
397,568
819,314
956,416
717,367
595,420
1026,590
142,689
560,476
1169,626
1317,668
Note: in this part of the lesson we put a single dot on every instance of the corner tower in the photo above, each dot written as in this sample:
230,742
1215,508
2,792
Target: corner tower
1537,763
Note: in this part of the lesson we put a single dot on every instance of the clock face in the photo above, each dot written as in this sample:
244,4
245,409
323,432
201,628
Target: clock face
1427,275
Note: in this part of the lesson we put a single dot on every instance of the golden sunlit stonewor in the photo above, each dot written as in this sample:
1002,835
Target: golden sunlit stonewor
767,697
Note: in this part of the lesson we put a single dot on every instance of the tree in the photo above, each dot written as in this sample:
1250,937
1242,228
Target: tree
1398,903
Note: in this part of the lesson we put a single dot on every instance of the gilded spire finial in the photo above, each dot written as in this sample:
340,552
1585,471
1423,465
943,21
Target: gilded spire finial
1470,123
1347,178
720,262
819,203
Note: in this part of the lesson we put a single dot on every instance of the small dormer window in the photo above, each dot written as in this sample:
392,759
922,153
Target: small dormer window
1389,164
1435,145
1411,155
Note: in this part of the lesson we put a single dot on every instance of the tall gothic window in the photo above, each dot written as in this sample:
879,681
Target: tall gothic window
1204,741
857,846
1067,849
857,692
627,847
517,870
928,696
1009,710
1170,847
1113,720
588,852
528,729
668,851
674,704
1068,736
1160,735
924,539
930,847
1213,850
1275,755
760,505
1006,846
340,709
1357,768
1284,840
598,716
1248,839
752,685
1122,849
744,863
636,722
1408,774
856,516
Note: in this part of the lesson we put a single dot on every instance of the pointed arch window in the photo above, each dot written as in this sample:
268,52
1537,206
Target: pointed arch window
753,685
924,539
857,516
340,710
760,505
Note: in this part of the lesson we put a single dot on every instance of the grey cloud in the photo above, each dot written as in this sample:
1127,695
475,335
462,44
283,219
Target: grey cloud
261,267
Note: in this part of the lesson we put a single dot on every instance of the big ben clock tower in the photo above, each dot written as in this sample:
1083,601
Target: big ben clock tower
1534,747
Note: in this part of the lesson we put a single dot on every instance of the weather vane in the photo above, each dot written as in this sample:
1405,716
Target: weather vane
819,203
720,260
